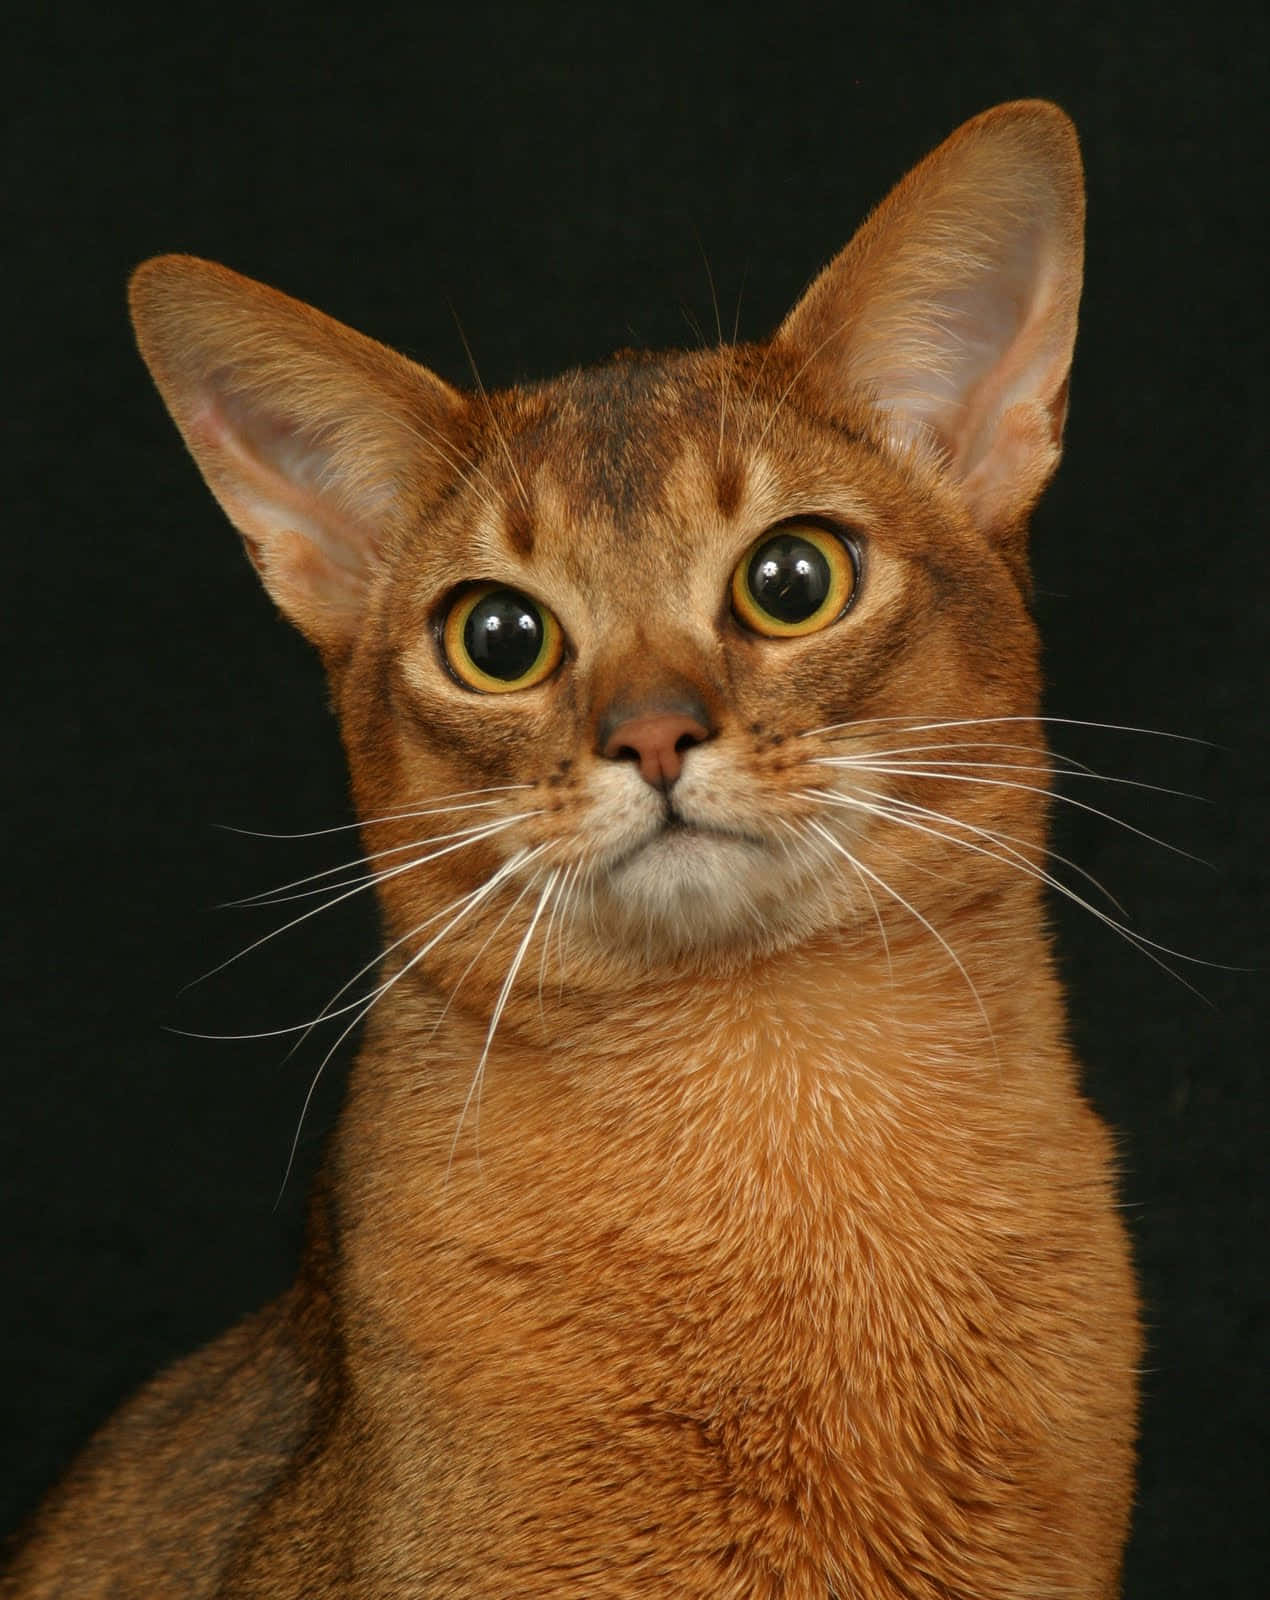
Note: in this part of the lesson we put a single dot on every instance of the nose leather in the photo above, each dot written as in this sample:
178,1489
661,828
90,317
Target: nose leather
656,741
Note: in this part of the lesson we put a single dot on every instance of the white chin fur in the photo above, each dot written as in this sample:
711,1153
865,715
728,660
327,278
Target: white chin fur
688,891
694,890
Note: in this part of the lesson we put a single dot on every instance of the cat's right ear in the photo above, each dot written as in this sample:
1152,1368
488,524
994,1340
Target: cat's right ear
952,313
312,437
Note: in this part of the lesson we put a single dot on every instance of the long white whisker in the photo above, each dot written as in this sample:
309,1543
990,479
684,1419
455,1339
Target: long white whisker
862,723
569,911
1027,788
1139,941
546,933
484,946
326,1014
499,1005
368,883
372,822
864,883
278,896
1039,768
995,836
1066,762
474,899
914,912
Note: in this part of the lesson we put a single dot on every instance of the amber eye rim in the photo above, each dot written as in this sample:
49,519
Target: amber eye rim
458,660
843,563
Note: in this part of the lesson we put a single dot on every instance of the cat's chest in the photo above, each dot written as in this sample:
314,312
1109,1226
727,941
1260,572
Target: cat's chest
737,1326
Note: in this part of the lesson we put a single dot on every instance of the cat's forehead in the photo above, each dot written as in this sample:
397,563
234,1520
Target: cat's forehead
649,463
610,438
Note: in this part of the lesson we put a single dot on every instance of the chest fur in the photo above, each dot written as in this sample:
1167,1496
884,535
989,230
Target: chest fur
815,1324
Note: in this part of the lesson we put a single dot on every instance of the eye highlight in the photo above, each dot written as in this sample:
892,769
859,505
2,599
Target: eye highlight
496,639
794,581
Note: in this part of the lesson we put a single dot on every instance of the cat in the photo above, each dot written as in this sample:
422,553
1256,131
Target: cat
714,1210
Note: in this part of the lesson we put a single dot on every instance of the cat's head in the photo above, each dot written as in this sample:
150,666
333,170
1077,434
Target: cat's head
693,652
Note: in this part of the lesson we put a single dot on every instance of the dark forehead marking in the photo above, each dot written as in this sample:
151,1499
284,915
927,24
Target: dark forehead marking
518,525
729,484
614,431
628,444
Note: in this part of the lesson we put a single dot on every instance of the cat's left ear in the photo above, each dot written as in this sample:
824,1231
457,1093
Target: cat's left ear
953,310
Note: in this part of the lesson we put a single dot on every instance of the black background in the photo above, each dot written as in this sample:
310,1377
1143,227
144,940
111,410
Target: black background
557,179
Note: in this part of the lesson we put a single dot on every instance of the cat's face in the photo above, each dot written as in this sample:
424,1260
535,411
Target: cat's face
623,503
688,657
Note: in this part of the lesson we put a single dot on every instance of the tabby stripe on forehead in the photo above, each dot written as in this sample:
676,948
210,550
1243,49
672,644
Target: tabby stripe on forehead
729,485
518,527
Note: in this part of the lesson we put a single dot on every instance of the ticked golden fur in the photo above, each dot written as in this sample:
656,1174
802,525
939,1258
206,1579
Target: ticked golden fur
715,1211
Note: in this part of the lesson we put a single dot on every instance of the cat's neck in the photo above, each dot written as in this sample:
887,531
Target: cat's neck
822,1042
706,1153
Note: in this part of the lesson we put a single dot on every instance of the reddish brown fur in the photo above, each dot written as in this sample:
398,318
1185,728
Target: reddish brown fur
769,1260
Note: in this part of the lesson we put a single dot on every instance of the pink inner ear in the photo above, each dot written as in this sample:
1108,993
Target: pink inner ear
951,360
271,482
274,441
953,311
306,431
312,556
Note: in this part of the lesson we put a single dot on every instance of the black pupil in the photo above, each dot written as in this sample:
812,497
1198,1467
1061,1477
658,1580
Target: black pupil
503,634
789,578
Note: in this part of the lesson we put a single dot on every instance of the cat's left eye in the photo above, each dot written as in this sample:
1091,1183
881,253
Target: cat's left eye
795,580
497,639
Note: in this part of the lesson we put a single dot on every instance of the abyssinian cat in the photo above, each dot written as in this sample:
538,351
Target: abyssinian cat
715,1210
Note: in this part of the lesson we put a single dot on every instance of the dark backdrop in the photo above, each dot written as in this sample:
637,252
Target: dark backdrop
557,177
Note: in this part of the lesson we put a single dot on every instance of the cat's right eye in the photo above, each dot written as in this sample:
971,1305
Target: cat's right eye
497,639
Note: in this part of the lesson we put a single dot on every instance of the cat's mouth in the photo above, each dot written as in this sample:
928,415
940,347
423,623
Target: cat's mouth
676,832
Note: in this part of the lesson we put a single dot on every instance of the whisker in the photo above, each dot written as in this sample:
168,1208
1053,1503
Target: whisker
977,745
569,911
372,822
980,722
996,836
1028,788
1139,941
788,389
457,460
693,325
546,933
326,1014
718,328
1041,770
490,417
474,899
913,911
864,883
367,883
496,1017
279,896
484,946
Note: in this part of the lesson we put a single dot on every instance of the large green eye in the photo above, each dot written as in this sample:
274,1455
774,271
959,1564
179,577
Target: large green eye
498,639
792,582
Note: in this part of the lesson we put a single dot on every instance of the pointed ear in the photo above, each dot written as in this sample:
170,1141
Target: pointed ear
312,437
953,310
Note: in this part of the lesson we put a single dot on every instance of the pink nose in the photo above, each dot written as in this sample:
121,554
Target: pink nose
657,743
